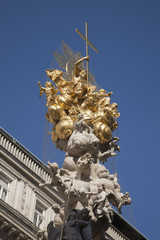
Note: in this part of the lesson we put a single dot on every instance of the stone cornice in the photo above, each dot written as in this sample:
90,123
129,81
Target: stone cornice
26,162
115,233
23,155
125,228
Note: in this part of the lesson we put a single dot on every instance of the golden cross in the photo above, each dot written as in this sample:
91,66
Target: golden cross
87,43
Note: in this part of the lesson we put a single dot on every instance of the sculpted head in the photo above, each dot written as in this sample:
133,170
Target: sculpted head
84,161
48,84
83,74
114,106
73,215
54,167
56,208
102,91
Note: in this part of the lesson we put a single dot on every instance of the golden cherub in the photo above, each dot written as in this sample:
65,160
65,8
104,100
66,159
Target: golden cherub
50,92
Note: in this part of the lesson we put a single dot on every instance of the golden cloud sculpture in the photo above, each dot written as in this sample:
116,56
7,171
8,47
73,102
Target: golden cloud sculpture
66,99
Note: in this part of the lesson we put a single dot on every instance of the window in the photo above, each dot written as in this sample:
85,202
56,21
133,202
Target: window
4,188
39,215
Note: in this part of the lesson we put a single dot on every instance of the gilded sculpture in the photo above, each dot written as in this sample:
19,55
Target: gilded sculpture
83,119
70,98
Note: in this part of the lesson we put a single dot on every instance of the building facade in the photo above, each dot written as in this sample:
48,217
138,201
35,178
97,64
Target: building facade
25,208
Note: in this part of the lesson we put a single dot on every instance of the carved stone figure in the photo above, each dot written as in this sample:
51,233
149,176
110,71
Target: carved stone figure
101,205
83,166
77,228
54,173
53,233
59,211
87,230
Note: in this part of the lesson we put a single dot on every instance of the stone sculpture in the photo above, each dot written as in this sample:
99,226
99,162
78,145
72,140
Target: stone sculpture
77,227
83,120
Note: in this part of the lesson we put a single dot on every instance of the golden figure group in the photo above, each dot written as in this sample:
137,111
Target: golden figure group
74,97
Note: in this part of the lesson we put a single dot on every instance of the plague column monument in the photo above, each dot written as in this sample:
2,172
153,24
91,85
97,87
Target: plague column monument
83,119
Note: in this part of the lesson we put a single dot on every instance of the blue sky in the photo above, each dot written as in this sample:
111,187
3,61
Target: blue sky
127,35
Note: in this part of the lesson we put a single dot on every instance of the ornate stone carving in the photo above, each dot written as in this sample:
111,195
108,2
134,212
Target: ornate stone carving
88,184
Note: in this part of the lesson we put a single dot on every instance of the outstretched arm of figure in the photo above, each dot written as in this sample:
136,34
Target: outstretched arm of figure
104,156
91,193
76,70
109,153
45,184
